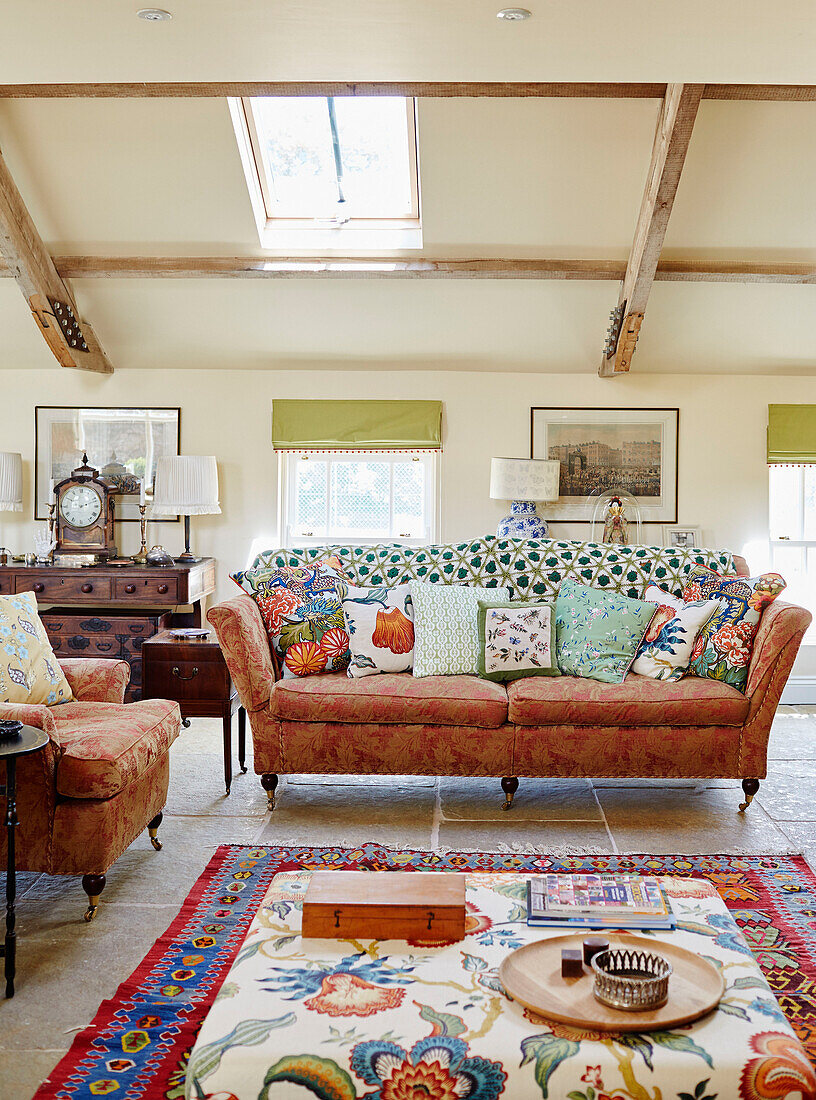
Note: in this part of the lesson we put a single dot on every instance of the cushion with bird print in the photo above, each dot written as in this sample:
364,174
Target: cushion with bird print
380,624
516,639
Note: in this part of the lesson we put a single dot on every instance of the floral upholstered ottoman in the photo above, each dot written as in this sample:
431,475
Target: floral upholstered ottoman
396,1021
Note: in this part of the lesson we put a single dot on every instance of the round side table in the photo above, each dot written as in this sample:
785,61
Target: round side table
27,740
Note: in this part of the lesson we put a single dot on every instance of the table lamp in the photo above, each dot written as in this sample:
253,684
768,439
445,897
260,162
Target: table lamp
11,486
524,481
185,485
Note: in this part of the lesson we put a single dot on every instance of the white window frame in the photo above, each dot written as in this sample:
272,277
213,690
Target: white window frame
287,471
783,542
319,234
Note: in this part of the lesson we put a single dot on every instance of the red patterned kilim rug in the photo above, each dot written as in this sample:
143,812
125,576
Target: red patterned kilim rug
138,1043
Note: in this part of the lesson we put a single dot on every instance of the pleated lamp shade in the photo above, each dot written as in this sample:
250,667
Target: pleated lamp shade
185,485
11,482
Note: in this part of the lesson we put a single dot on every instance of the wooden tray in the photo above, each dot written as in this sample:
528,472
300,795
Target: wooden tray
531,975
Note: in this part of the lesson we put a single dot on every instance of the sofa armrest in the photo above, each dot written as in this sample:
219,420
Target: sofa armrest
245,645
97,679
776,644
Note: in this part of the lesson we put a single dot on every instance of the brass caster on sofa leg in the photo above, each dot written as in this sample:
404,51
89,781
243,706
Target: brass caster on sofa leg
152,830
509,786
269,782
750,786
93,885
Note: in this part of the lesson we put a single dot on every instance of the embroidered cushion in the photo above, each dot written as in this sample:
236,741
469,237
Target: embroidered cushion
380,625
598,633
303,615
665,651
446,639
516,638
724,646
29,671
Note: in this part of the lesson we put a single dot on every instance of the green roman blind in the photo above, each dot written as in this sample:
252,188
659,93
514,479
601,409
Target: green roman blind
791,434
356,425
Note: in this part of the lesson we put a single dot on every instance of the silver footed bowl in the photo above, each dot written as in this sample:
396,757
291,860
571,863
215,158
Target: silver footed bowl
631,980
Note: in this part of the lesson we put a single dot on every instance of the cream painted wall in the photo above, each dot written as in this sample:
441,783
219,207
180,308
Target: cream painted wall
722,471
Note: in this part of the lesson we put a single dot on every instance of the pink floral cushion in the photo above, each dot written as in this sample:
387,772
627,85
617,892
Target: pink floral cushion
638,701
724,645
106,746
392,698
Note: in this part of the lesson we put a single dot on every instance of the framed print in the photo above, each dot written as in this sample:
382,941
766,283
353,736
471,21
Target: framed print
123,444
600,450
682,536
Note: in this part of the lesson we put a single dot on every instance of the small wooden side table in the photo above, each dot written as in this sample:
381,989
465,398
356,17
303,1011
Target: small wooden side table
28,740
193,672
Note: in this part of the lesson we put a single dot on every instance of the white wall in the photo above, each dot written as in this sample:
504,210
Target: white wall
722,473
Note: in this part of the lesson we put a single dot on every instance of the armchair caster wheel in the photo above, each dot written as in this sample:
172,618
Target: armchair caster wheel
750,786
152,830
186,723
93,885
269,782
509,786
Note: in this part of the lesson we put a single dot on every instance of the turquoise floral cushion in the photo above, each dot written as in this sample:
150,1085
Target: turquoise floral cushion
598,633
446,639
516,639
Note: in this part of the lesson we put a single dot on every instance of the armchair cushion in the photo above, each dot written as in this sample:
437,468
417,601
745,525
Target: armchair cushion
97,679
106,746
29,671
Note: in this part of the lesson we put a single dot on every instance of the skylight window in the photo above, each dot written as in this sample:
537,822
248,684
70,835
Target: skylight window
331,172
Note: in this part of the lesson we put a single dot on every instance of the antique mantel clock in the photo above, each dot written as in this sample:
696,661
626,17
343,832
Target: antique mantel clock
85,520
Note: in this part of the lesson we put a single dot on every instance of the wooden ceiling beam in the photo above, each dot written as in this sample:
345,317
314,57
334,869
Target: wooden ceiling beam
672,136
72,341
264,267
789,93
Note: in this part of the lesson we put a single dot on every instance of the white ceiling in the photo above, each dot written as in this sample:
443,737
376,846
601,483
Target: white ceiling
101,40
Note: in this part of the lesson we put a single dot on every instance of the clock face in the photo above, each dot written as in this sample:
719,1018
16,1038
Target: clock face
80,506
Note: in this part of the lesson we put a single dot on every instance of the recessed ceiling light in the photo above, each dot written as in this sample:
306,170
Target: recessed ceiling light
513,15
154,15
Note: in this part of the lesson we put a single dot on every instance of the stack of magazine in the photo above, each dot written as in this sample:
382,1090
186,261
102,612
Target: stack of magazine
597,901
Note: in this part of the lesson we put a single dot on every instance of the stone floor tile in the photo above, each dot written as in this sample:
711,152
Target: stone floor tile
692,822
197,787
793,735
23,1071
315,779
788,793
415,833
344,803
481,799
523,836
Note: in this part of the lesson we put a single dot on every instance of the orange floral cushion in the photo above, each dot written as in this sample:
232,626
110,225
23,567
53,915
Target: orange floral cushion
380,624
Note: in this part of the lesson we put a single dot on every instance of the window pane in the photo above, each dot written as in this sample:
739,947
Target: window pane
785,499
809,474
311,504
296,145
360,498
409,499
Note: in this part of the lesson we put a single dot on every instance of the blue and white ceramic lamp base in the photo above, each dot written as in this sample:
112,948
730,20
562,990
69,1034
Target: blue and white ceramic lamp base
524,522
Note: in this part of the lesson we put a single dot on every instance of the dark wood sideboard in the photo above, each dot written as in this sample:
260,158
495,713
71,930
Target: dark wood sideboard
108,610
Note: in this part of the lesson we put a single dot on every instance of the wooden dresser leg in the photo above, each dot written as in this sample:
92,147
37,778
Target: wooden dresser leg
242,739
227,724
509,786
269,782
750,786
93,885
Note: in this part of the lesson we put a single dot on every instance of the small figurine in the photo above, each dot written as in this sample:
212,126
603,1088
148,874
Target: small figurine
616,525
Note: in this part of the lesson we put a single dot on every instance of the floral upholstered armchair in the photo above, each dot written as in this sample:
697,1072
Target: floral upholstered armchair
101,779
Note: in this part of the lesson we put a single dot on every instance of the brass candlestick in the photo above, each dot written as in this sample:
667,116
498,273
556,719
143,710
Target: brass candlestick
52,507
141,557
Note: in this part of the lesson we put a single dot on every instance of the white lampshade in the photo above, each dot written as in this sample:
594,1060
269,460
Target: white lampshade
524,479
11,482
185,485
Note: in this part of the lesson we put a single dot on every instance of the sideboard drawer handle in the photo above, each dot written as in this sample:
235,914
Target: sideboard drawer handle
162,589
87,588
130,589
177,672
38,587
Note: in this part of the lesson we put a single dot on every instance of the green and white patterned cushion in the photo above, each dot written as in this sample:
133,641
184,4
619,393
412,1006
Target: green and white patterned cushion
598,633
530,568
446,639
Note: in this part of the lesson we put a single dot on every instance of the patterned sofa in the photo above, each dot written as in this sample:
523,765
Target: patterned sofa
538,726
101,779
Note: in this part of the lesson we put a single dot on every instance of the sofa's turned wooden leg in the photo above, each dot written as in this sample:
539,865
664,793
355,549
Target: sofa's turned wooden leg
93,885
509,786
750,786
269,782
152,830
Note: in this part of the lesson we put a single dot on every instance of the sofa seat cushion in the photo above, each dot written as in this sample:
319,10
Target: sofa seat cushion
106,746
393,698
638,701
